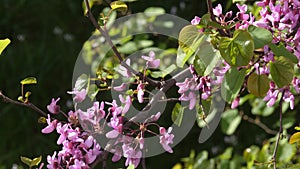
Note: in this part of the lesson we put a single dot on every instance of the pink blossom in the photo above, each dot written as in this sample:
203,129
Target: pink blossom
51,125
127,103
289,98
196,20
132,156
166,138
235,103
53,107
140,94
120,88
151,61
79,95
217,10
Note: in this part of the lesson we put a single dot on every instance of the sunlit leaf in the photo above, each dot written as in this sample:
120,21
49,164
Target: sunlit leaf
177,114
3,44
27,94
177,166
189,40
237,51
295,138
258,85
282,71
227,154
260,36
230,121
118,6
36,161
280,50
81,82
42,120
26,161
232,83
130,166
297,128
29,80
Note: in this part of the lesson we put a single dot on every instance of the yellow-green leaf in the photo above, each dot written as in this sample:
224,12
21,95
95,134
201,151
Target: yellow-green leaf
36,161
118,6
295,138
29,80
130,167
189,41
42,120
258,85
3,44
297,128
26,160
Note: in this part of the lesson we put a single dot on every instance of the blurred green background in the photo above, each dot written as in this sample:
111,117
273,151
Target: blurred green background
47,37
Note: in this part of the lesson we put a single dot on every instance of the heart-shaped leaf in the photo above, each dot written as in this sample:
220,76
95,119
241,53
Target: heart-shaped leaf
237,51
282,71
258,85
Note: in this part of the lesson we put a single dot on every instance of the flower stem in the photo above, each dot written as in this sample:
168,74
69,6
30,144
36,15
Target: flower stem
279,132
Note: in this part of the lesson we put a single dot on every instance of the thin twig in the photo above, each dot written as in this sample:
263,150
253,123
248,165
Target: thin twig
29,105
279,132
104,32
258,123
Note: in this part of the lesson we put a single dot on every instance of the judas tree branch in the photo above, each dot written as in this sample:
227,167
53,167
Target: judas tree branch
29,105
104,32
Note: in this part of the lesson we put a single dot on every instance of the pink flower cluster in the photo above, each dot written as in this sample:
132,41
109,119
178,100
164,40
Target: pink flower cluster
191,86
282,19
80,149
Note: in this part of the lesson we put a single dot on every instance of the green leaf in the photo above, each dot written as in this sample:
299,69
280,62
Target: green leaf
130,167
258,85
227,154
260,108
36,161
118,6
26,161
81,82
154,11
177,114
206,59
285,152
164,72
200,159
237,51
92,91
261,36
282,71
199,66
189,40
232,83
230,121
295,138
29,80
280,50
3,44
